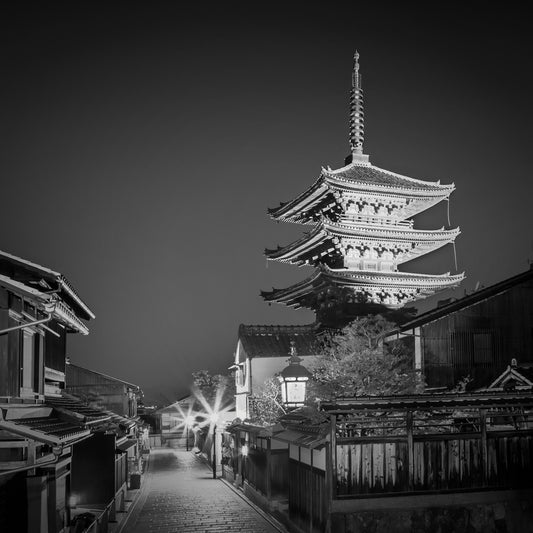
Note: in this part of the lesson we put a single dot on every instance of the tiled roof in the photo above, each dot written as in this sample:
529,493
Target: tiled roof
51,425
274,341
121,420
71,405
375,175
429,401
47,429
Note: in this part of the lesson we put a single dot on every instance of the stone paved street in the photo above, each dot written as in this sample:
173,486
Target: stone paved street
180,495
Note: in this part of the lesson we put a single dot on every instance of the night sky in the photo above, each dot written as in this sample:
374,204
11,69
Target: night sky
141,145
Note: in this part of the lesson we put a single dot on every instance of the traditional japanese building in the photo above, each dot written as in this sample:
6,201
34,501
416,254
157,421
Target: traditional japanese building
362,234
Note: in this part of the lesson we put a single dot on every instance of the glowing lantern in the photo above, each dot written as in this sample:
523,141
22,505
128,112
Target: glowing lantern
293,379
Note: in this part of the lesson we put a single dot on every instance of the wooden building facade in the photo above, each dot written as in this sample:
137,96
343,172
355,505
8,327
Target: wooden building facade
47,437
102,390
475,336
38,308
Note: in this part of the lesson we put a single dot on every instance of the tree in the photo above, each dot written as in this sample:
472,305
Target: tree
266,406
213,386
357,361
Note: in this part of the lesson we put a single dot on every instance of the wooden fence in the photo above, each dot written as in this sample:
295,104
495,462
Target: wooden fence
404,448
307,496
417,452
262,466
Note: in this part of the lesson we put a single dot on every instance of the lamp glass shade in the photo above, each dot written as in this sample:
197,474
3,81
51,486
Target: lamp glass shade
293,391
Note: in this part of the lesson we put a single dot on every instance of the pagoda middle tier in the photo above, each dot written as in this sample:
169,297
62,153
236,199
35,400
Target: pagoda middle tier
357,245
362,232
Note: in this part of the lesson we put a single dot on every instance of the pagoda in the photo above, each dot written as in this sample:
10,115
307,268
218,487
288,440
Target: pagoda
362,231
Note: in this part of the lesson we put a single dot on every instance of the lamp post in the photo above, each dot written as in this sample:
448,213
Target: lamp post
188,422
293,379
214,419
215,451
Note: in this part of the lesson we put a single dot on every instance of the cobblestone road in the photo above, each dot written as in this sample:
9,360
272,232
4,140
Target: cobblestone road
180,495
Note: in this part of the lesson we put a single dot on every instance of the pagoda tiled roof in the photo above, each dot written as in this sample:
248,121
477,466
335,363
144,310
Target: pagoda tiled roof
325,233
370,175
275,341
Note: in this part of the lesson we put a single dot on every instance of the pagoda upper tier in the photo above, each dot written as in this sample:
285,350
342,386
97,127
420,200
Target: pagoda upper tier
362,191
361,246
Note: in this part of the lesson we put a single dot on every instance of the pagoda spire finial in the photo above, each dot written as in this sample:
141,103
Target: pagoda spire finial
357,115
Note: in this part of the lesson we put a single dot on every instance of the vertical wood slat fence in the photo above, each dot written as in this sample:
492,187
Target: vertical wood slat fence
307,496
265,469
454,454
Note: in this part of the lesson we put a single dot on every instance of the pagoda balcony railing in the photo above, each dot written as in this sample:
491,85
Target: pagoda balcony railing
375,220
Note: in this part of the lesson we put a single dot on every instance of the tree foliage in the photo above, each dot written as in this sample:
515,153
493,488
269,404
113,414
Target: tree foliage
357,361
211,385
266,406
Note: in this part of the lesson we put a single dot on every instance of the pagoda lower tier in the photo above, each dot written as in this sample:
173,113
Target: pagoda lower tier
361,246
335,288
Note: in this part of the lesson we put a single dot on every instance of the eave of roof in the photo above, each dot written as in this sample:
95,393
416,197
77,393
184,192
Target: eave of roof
48,430
51,275
62,311
429,401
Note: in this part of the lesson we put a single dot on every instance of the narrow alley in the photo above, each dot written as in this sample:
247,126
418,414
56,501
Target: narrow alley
180,495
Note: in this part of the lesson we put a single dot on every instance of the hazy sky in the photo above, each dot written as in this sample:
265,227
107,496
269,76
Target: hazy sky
141,145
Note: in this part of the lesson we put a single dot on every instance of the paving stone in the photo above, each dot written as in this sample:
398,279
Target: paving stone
179,495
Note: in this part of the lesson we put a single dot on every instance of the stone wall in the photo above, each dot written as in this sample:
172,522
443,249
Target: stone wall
507,517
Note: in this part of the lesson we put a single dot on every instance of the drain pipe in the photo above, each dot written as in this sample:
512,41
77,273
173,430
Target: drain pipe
56,450
48,307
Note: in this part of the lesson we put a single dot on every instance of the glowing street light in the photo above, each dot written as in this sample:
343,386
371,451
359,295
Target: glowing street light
293,379
213,413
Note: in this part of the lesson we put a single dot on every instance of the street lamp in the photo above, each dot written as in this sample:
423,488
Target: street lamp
213,419
189,420
293,379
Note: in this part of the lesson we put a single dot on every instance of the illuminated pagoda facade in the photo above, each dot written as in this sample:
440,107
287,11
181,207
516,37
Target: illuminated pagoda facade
362,232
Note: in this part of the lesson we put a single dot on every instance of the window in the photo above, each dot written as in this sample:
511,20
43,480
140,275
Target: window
27,362
31,361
